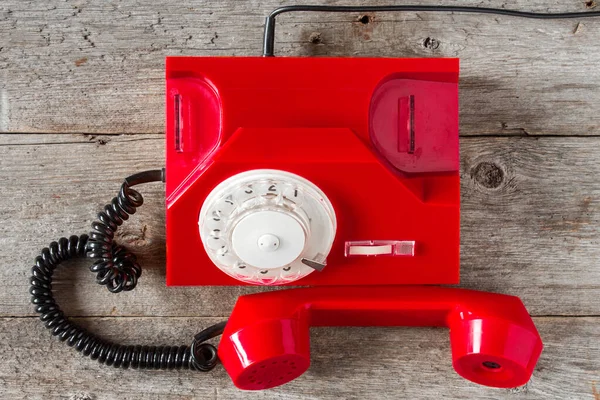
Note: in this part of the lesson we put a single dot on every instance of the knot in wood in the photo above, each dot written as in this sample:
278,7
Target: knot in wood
488,175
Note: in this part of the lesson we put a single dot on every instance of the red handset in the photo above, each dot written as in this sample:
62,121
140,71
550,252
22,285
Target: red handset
266,341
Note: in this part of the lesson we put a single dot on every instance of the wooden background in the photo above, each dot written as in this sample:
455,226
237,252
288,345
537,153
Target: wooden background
81,107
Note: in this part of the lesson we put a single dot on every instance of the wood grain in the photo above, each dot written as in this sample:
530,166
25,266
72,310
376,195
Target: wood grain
81,107
530,217
347,363
98,67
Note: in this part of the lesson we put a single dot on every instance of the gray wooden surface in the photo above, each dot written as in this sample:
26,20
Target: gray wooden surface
81,106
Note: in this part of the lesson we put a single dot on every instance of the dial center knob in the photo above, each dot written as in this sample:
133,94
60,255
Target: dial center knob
268,242
268,239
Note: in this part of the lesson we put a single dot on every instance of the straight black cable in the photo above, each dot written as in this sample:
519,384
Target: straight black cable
269,34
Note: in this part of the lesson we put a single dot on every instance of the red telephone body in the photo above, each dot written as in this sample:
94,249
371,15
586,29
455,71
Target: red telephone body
342,123
380,138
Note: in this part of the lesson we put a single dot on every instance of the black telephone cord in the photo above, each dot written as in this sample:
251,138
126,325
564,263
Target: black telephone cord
118,270
269,33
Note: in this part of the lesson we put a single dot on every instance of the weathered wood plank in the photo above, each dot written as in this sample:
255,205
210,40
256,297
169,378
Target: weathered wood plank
530,217
347,363
531,206
97,67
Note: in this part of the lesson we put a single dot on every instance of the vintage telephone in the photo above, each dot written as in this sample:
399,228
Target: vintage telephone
336,173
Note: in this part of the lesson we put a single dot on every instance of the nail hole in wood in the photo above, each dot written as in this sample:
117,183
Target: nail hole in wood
315,38
364,19
431,43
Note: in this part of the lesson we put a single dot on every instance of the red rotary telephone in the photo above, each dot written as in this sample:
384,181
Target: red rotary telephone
340,174
336,173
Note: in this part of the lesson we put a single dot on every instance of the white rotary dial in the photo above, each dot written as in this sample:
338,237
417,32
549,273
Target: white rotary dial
267,227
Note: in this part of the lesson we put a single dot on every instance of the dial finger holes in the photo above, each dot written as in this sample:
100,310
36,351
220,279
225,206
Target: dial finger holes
293,194
214,244
258,225
267,188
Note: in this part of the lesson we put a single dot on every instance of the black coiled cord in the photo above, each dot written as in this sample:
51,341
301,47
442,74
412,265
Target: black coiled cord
118,270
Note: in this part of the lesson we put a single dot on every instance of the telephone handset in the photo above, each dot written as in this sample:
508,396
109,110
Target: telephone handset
266,340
